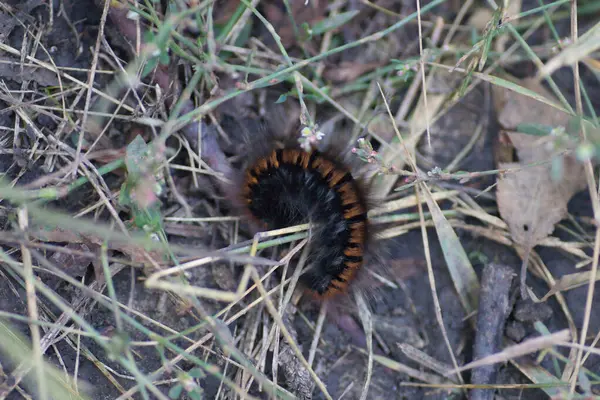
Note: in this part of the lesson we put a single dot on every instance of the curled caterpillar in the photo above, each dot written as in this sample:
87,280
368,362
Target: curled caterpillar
282,183
280,176
292,186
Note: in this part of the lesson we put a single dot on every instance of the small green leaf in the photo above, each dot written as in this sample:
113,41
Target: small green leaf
149,67
149,36
175,391
140,190
282,98
307,32
148,219
164,58
314,98
535,129
117,344
196,373
478,257
465,84
245,33
125,194
331,23
136,155
195,395
585,152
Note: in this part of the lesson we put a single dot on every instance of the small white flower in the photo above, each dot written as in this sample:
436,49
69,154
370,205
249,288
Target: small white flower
306,132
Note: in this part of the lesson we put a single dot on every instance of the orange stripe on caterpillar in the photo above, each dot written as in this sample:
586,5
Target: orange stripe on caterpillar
304,159
348,193
355,211
323,166
272,160
261,166
353,252
357,236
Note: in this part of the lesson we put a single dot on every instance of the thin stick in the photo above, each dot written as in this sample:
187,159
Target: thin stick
422,62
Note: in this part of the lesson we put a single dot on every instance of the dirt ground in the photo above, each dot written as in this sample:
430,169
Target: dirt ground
48,113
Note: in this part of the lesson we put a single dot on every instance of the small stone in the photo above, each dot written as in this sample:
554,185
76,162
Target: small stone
515,331
531,312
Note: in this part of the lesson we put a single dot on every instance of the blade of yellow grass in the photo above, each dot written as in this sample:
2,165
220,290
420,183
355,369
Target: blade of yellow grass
367,321
539,375
584,46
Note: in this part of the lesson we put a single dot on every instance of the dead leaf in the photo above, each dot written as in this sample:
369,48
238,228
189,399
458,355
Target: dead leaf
75,264
514,109
532,200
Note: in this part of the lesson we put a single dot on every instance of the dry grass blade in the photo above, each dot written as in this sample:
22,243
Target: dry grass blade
584,46
275,315
568,282
553,387
518,350
367,321
424,359
463,276
404,369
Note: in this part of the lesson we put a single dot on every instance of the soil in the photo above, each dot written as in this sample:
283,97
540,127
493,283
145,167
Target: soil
405,314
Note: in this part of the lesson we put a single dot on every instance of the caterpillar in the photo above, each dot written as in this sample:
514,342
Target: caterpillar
292,186
286,180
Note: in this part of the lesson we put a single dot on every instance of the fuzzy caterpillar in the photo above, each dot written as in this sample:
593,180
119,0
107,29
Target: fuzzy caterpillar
283,183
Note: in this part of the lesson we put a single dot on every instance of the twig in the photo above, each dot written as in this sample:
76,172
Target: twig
494,307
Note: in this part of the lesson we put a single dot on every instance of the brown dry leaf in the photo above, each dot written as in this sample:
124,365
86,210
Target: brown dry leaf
531,201
514,109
